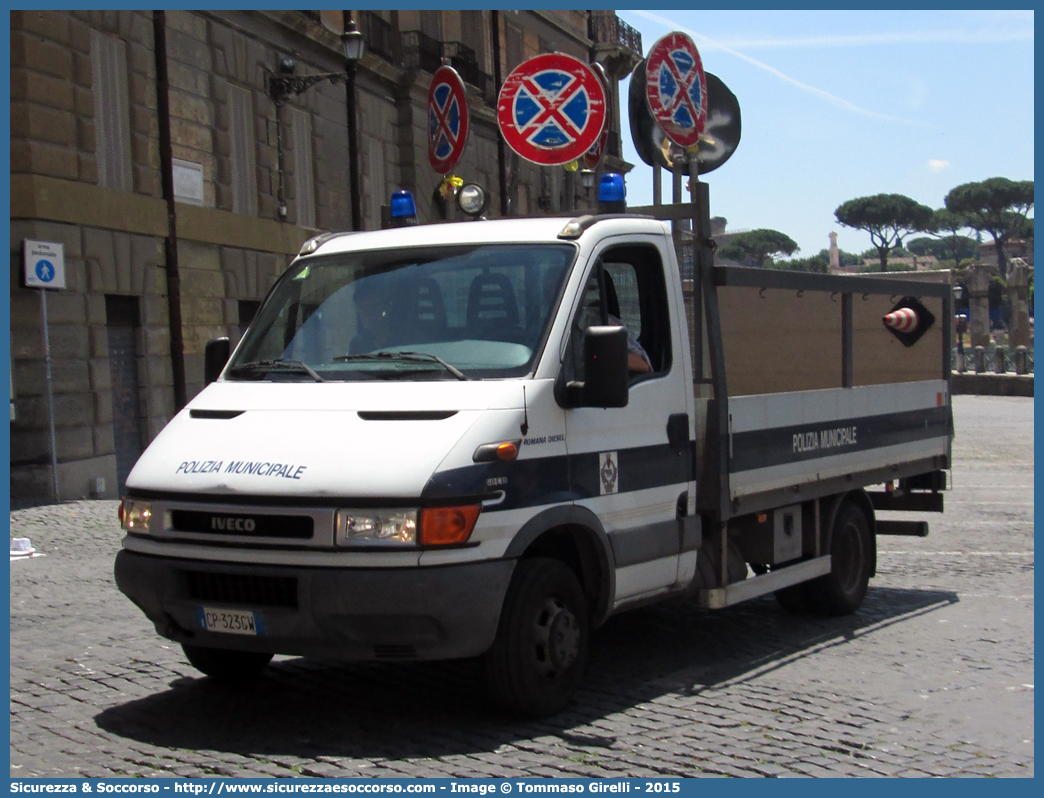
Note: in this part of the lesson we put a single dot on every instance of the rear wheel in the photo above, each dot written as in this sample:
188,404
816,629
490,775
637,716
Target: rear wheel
851,556
226,665
538,656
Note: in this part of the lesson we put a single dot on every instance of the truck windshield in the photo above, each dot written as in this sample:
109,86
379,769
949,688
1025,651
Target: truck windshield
463,312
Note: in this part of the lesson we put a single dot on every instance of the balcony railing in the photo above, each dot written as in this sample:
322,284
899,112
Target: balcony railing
420,51
607,28
379,36
462,58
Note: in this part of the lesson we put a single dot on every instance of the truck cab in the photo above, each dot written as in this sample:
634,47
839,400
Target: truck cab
428,445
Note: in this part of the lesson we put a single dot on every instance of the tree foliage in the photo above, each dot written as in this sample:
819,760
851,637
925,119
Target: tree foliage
759,247
946,225
816,263
997,206
886,217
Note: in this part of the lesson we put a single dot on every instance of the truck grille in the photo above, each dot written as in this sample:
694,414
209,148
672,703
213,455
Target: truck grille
272,591
246,524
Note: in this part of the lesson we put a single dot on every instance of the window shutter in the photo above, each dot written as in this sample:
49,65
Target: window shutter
376,190
111,112
303,175
242,155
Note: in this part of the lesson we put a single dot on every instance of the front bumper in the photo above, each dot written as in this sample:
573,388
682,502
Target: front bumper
347,613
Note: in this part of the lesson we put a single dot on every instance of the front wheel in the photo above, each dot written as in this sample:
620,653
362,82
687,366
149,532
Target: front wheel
538,656
225,665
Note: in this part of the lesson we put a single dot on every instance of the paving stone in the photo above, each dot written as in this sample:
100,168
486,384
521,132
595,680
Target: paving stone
670,691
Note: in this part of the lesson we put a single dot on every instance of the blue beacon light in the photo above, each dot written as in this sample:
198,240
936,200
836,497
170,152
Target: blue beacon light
403,209
612,193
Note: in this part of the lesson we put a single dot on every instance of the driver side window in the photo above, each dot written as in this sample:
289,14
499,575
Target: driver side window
631,292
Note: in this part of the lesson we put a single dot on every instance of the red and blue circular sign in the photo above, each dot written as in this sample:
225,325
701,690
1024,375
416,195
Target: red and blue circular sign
447,119
593,156
676,88
551,109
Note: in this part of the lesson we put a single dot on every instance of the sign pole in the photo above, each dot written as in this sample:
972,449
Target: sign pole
657,184
50,393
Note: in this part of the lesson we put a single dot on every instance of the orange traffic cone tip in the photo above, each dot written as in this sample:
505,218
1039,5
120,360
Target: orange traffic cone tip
902,320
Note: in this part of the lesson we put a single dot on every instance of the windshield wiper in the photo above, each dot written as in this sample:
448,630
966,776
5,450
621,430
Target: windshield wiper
279,364
417,357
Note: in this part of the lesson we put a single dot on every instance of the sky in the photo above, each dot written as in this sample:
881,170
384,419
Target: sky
843,104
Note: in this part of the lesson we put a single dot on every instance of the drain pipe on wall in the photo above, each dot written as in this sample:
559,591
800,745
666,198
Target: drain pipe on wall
170,243
501,152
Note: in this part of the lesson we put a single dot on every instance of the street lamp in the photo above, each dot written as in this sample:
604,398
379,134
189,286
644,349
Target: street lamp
286,83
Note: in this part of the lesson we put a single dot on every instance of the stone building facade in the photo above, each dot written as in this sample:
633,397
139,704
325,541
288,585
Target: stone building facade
104,104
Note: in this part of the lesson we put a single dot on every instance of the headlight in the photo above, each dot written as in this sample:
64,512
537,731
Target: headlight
135,515
376,526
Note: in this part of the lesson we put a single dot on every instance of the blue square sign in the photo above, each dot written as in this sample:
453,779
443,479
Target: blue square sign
44,264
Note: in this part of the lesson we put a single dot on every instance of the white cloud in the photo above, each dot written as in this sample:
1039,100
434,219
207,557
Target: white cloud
936,165
833,99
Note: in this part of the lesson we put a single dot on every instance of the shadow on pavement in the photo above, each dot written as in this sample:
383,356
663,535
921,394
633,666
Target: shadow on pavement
310,708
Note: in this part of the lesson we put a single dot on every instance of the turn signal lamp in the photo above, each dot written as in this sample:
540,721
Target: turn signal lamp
403,209
490,452
441,526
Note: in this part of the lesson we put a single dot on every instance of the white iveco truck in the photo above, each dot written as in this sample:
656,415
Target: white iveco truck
486,438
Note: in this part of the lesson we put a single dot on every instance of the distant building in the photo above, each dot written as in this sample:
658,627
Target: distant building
917,263
155,271
1016,248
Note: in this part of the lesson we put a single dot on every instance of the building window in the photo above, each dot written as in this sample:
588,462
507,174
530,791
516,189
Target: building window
301,132
513,42
111,112
374,188
122,327
241,155
431,24
473,34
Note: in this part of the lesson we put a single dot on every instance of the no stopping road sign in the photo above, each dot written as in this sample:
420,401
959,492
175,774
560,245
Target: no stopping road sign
551,109
447,119
676,88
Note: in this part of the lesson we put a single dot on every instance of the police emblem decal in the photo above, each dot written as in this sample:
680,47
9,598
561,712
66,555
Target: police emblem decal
608,473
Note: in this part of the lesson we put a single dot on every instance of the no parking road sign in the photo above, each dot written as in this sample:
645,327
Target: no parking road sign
44,264
447,119
551,109
676,88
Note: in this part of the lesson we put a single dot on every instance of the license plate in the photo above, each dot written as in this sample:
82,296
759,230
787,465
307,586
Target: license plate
234,622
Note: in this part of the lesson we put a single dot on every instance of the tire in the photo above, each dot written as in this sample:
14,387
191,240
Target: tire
851,556
537,658
225,665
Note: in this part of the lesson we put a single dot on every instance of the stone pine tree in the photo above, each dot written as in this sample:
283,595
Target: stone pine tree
997,206
758,246
946,225
887,218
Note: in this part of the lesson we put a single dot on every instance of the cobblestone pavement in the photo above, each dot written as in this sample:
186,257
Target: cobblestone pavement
933,676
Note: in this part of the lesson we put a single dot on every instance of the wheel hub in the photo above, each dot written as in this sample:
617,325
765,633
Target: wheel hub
558,634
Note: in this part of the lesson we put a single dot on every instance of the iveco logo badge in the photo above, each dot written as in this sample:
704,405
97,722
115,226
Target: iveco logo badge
223,523
608,473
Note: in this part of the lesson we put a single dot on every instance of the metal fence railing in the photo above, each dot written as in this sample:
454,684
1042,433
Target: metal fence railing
994,360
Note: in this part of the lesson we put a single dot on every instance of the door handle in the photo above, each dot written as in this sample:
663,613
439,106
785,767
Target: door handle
678,431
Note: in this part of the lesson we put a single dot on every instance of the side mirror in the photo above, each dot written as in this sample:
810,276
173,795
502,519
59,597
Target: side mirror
215,358
605,368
